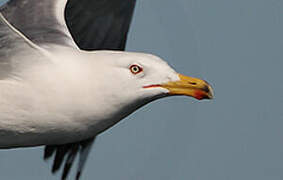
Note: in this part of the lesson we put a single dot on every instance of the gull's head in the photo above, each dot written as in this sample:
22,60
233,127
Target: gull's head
144,77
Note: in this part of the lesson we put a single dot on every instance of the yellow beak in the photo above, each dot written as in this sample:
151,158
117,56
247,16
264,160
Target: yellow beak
189,86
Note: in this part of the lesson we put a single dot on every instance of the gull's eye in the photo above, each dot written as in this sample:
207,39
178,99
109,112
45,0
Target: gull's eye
135,69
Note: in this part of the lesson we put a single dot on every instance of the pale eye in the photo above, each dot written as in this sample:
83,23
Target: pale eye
135,69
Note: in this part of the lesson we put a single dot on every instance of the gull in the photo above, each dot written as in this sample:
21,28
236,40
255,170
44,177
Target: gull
64,77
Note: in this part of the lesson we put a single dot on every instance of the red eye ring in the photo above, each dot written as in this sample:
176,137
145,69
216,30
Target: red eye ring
135,69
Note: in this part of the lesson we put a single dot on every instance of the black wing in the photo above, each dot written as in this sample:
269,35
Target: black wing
99,24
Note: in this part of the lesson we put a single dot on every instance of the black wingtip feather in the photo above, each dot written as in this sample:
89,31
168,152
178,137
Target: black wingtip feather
69,162
71,150
48,152
60,155
78,175
66,170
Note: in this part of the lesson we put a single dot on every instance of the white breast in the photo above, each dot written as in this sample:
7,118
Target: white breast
54,104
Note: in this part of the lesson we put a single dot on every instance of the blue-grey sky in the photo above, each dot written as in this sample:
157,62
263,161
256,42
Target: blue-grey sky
235,45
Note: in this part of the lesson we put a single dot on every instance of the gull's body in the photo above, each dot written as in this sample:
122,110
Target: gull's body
54,94
61,100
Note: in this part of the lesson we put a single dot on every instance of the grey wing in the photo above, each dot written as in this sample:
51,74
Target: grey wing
87,24
40,21
13,44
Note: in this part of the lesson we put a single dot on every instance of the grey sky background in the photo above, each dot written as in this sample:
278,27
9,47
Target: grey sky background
235,45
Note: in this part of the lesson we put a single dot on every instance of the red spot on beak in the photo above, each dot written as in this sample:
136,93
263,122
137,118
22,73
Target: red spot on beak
200,95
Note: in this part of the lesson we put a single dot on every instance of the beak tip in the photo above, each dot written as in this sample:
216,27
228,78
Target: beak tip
210,92
205,93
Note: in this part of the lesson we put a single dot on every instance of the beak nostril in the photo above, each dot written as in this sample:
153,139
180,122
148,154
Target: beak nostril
192,83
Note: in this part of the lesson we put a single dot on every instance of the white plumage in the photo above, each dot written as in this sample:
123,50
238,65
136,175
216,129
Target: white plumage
76,95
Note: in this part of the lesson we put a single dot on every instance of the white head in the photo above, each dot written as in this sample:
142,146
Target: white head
134,79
